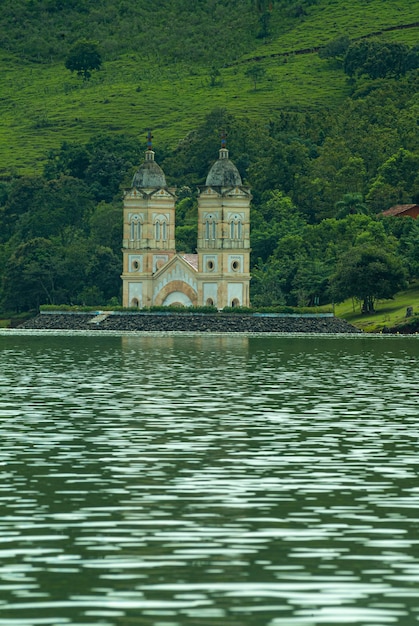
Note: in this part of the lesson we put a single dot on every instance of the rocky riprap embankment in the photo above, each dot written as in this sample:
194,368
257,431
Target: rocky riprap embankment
189,323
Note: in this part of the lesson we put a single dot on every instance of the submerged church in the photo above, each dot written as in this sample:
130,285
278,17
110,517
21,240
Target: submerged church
154,273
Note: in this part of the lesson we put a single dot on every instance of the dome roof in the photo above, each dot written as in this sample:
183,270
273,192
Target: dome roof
149,174
223,173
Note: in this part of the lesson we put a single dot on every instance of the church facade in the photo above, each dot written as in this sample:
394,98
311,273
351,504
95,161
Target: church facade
154,272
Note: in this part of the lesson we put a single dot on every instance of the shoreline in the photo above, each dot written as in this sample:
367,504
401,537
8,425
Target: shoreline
184,322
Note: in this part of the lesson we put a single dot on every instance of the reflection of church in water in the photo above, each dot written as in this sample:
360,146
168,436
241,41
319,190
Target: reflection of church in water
154,273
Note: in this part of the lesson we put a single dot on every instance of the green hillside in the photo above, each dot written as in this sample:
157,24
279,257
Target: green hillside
389,313
157,65
319,102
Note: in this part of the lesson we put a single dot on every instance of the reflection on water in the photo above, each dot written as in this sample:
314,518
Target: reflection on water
208,480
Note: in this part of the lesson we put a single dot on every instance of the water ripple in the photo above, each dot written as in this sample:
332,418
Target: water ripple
219,481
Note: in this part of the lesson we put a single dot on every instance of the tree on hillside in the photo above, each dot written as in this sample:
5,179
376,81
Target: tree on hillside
214,76
70,160
264,21
104,163
103,274
376,59
335,49
274,219
255,73
403,166
262,6
397,181
367,273
23,193
412,60
106,226
310,282
30,276
83,58
61,208
409,244
265,288
351,204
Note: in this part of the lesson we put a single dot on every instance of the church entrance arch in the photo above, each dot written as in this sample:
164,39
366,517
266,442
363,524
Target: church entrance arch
177,298
176,292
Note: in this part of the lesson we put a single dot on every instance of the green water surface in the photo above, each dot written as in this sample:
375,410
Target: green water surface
208,480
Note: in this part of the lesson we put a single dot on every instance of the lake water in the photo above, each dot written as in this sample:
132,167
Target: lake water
208,480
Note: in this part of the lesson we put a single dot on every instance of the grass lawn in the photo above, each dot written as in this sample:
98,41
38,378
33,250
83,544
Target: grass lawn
46,105
42,105
388,312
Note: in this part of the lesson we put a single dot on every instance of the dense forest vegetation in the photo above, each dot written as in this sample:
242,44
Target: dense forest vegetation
320,175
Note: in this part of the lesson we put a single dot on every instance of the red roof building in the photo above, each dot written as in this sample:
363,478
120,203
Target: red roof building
402,210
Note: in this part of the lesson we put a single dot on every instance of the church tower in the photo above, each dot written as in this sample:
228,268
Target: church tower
154,273
149,231
224,236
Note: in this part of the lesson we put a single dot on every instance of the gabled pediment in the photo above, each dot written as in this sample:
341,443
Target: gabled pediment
173,274
162,193
237,192
209,191
133,194
231,192
176,265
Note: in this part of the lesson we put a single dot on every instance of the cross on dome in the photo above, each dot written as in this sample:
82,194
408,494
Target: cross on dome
223,150
149,140
149,155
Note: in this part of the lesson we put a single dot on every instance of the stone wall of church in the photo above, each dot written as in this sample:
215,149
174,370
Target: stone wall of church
184,322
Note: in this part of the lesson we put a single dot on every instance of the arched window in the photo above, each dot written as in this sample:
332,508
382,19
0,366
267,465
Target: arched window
210,230
161,228
135,228
236,228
